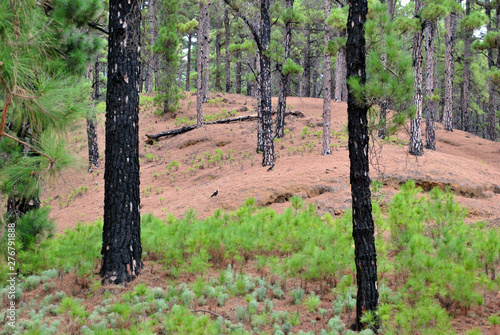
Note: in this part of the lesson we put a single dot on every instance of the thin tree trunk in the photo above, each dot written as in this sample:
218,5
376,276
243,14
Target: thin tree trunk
340,76
313,84
430,105
153,22
382,132
466,83
93,148
227,64
206,49
121,237
218,80
238,72
449,42
363,226
307,64
284,83
188,65
416,146
265,84
491,119
199,78
260,134
327,84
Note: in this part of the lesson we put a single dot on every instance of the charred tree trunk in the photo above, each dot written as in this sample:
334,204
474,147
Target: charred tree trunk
121,238
265,84
382,132
199,79
91,121
227,64
449,42
260,134
430,104
363,226
218,80
284,83
466,83
307,64
238,72
188,65
416,146
327,84
206,49
152,79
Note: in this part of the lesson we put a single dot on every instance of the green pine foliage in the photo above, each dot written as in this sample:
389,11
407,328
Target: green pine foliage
438,265
167,48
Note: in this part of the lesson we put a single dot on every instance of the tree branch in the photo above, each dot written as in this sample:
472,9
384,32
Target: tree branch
207,311
96,26
251,26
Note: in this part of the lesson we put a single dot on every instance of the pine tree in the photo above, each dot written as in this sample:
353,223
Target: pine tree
327,95
357,109
43,59
449,41
416,146
121,237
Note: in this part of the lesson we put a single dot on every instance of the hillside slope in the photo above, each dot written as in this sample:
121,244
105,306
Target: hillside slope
223,158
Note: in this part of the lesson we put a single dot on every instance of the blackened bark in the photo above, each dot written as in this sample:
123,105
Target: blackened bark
284,83
430,105
327,84
188,65
260,136
199,79
491,118
238,72
307,64
314,80
265,84
416,146
449,42
363,226
206,49
227,36
382,132
466,82
93,147
121,245
218,82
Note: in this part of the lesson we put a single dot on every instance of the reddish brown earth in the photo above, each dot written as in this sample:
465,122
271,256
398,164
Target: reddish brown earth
466,163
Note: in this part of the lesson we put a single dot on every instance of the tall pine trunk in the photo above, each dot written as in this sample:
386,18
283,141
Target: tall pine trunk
93,147
227,56
416,146
340,76
449,43
430,104
199,77
466,83
188,65
363,226
218,80
327,84
206,49
307,65
284,83
121,237
265,84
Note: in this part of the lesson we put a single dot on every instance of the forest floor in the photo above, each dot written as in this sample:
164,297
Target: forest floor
223,157
468,164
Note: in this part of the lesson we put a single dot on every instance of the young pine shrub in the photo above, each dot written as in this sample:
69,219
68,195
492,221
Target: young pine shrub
312,302
297,295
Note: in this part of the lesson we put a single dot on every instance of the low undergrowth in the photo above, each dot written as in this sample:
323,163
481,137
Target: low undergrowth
256,271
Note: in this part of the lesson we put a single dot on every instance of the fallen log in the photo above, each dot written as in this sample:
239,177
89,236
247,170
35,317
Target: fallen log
177,131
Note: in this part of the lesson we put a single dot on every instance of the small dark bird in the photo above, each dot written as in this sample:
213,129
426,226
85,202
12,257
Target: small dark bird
215,193
270,168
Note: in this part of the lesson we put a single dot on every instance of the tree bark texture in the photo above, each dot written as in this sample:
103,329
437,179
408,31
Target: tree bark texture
449,43
430,105
340,76
491,118
188,65
416,146
199,79
93,147
121,245
265,84
363,226
218,79
238,72
206,49
466,82
227,35
153,61
327,84
260,136
307,64
284,83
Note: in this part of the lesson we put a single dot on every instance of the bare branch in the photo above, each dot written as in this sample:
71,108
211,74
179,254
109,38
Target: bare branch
251,26
51,161
98,27
207,311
